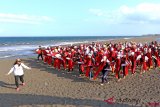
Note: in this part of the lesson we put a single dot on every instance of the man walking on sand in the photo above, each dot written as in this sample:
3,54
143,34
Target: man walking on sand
39,52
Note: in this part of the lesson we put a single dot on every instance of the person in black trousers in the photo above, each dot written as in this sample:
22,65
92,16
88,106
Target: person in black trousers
105,72
40,53
18,71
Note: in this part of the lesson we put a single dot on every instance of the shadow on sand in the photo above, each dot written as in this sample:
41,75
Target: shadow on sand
6,85
9,100
73,75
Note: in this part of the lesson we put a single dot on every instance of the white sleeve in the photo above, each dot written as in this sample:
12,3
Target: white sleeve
108,61
68,58
24,66
146,58
11,70
154,57
139,56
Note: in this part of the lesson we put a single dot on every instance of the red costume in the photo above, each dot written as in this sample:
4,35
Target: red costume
49,58
125,65
88,65
157,61
150,63
70,62
102,64
81,65
118,67
57,61
45,55
64,61
144,63
133,61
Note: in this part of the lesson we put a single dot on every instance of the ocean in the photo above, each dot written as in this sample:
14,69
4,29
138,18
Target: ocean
20,47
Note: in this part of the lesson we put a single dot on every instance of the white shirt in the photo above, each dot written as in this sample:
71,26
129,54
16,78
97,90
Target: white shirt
18,70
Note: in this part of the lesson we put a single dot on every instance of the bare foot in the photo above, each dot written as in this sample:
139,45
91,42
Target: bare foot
119,80
23,84
17,89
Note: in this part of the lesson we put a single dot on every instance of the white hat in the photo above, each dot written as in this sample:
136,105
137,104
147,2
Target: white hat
112,49
132,53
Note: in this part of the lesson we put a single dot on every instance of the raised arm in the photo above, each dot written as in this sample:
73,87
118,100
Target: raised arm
138,57
24,66
11,70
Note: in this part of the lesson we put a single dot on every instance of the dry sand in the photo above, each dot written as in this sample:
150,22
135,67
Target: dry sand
47,87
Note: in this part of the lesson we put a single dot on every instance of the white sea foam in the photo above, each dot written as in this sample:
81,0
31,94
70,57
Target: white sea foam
65,43
17,48
126,38
6,56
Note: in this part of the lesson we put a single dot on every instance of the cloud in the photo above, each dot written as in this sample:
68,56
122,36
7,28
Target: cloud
141,13
97,12
23,18
1,30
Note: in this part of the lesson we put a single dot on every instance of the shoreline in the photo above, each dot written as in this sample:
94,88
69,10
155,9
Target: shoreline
116,40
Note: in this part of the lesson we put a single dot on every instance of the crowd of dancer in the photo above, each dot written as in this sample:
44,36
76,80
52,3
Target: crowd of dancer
96,58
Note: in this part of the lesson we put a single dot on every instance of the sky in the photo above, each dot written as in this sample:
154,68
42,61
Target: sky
79,17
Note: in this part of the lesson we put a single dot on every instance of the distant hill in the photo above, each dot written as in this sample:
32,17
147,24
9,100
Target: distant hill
151,35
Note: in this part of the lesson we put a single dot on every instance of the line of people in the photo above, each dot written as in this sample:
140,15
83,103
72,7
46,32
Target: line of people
94,58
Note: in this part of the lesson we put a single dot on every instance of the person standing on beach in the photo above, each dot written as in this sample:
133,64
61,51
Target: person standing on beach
156,59
105,72
89,65
125,65
17,69
70,61
132,58
100,67
149,55
39,52
81,64
118,66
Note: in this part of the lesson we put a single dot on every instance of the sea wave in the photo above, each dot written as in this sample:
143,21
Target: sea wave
14,44
126,38
7,56
17,48
33,47
30,46
14,56
17,51
69,43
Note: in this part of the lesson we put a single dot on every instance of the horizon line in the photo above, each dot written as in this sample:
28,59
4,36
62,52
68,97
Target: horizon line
73,36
